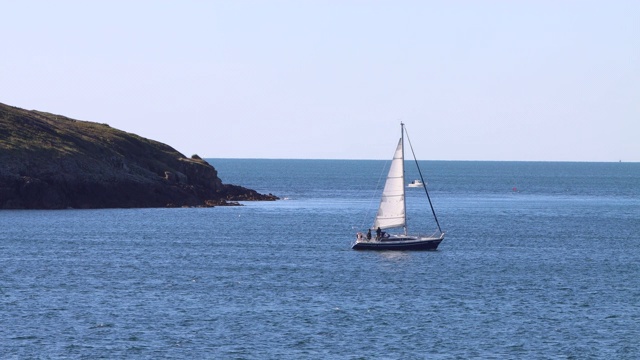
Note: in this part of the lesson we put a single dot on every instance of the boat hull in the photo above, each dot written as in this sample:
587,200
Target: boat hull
425,244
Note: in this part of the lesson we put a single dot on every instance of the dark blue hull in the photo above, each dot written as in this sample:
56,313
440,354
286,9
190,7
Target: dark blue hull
399,244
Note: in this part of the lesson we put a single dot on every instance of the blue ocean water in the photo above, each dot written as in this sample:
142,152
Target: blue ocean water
541,260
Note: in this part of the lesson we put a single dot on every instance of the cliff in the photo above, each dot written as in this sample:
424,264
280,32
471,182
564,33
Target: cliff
50,161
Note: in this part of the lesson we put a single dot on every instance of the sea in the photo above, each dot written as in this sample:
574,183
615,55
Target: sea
541,260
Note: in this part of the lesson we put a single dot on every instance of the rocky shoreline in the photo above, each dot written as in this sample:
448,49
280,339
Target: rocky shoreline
50,161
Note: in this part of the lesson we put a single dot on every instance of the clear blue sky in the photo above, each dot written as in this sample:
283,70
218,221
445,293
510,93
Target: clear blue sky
473,80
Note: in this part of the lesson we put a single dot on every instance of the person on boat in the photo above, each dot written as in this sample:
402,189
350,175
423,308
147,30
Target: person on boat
378,233
369,234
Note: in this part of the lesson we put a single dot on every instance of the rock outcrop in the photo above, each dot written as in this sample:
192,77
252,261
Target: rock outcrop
50,161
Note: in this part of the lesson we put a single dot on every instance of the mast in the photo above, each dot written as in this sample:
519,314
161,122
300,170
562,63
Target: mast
404,200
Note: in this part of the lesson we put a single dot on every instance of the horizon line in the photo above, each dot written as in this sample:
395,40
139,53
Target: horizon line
434,160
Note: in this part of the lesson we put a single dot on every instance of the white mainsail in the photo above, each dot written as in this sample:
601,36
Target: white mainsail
391,212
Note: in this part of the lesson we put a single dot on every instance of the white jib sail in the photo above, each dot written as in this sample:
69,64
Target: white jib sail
391,212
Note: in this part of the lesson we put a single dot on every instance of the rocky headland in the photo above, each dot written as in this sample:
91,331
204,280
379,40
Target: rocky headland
50,161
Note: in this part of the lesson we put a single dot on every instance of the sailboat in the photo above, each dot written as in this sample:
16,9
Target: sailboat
392,212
